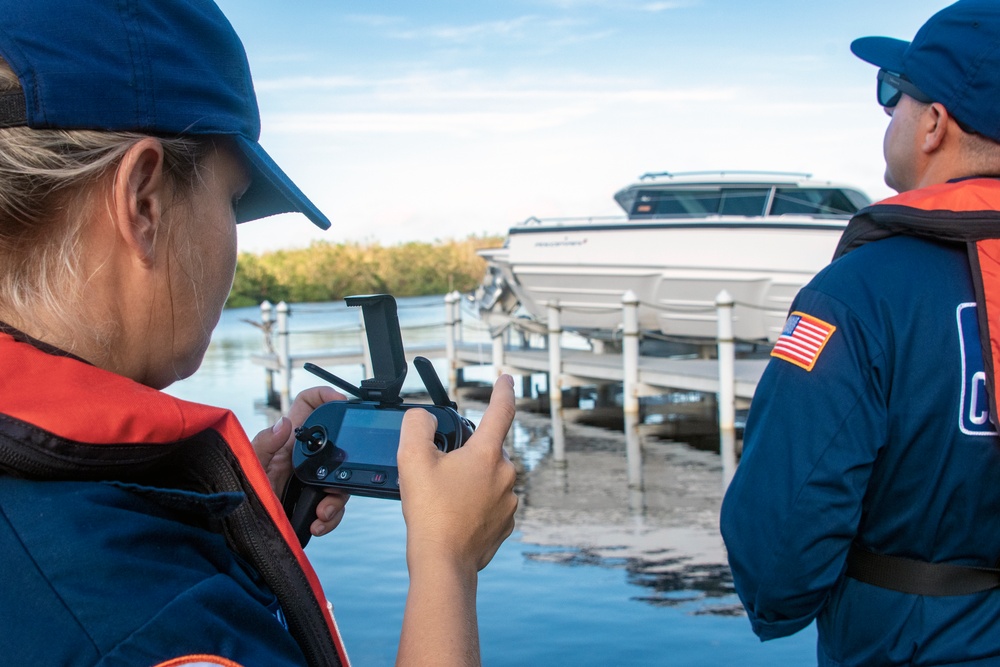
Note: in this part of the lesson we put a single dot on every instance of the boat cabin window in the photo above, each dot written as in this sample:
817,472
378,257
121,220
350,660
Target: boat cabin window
811,201
700,202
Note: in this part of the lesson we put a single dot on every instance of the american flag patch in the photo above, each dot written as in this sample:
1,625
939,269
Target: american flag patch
802,340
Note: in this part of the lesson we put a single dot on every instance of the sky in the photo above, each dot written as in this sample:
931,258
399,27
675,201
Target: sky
436,120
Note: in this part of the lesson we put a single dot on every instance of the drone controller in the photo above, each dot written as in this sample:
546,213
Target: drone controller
351,445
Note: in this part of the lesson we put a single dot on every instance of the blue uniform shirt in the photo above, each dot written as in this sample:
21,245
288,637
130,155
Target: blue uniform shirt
885,441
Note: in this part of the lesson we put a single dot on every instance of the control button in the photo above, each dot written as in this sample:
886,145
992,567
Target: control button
343,474
378,478
322,472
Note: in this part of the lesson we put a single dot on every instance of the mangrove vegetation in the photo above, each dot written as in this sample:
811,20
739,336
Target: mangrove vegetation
330,271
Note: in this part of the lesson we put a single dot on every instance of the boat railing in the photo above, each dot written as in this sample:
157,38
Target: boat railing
706,306
593,219
798,175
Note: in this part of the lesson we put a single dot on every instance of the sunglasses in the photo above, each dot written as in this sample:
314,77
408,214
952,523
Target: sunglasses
892,86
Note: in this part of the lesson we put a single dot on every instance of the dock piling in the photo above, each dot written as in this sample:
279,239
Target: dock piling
266,325
727,394
555,384
452,323
630,388
284,358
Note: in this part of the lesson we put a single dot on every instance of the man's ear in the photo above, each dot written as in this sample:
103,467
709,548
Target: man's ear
139,198
934,125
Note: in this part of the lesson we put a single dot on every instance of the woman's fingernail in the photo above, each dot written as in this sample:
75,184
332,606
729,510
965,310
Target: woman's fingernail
277,425
509,378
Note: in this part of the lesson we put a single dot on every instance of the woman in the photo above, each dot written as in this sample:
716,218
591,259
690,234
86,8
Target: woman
136,528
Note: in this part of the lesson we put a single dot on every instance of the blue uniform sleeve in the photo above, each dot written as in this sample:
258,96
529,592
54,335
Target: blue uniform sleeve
794,505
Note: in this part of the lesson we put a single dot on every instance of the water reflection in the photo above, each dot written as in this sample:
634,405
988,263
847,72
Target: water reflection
595,573
665,537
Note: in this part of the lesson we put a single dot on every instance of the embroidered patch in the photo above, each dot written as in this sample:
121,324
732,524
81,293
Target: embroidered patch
974,408
802,340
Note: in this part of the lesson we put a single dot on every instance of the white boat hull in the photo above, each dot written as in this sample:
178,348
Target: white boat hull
675,268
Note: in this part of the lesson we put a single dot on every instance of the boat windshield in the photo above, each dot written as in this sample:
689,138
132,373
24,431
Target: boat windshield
812,201
700,202
655,203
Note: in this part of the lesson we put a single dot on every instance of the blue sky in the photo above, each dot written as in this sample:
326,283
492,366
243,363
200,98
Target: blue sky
433,120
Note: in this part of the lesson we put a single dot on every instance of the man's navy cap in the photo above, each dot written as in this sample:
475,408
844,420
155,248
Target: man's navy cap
954,59
161,67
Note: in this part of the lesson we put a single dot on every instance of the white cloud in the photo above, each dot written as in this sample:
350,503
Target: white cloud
466,33
541,32
309,83
375,20
625,5
454,124
429,88
462,112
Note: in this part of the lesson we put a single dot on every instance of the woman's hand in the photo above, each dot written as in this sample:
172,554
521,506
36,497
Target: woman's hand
461,504
458,507
274,449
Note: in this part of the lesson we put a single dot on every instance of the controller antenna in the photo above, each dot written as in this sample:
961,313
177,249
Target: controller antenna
332,379
433,384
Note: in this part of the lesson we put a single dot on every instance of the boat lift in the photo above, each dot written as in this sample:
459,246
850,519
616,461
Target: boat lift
730,379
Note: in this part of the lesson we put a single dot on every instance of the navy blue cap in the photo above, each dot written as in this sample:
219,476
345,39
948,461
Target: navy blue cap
954,59
162,67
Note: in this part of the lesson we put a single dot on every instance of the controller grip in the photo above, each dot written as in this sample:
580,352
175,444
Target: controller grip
300,501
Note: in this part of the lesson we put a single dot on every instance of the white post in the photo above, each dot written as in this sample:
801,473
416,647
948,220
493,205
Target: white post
452,323
555,384
459,334
630,388
266,322
727,387
284,357
498,352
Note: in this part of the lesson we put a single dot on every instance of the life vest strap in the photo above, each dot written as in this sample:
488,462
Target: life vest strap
917,577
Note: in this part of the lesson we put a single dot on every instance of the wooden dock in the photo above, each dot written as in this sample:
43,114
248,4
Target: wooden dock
731,380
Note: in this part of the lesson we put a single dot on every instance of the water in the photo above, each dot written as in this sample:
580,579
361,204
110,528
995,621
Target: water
593,575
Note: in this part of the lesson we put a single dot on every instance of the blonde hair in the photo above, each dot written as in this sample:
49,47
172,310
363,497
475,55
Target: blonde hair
45,179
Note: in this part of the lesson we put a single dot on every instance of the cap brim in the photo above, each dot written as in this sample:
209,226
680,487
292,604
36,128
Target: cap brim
271,191
884,52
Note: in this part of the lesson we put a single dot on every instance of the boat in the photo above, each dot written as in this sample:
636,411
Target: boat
683,239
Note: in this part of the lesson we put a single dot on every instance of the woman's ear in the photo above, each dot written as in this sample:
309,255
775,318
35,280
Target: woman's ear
139,198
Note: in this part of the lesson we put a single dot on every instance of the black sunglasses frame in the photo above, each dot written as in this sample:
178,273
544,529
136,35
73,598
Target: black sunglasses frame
889,81
892,86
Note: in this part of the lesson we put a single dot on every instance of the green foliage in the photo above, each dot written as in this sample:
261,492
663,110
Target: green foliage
329,272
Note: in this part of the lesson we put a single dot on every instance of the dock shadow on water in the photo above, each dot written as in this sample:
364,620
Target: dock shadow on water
664,537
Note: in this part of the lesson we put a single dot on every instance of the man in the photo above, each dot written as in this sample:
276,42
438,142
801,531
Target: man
868,496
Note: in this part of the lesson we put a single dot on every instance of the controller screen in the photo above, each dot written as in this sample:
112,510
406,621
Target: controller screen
370,436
